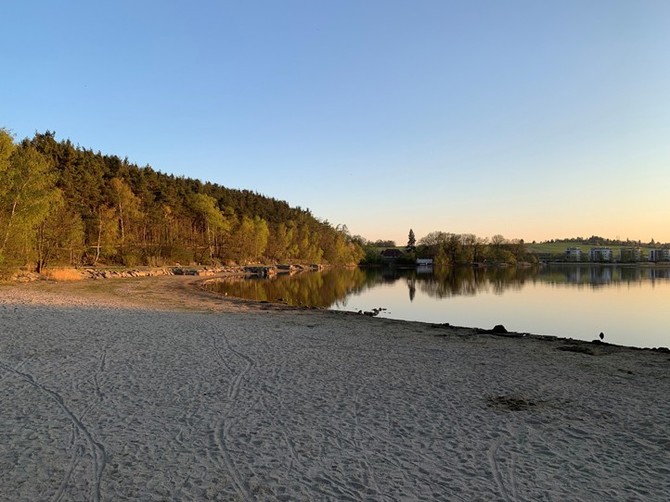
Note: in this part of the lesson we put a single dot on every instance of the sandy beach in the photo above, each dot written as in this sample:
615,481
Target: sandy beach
152,389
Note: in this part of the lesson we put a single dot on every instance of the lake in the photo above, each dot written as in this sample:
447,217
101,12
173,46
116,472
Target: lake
629,304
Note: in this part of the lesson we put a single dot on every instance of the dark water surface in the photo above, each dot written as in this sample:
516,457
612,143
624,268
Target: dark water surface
630,305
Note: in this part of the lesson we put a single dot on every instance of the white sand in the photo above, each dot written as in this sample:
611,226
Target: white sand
111,402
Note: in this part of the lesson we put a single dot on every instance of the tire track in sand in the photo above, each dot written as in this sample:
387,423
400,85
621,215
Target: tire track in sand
17,367
78,450
97,449
497,474
223,425
493,450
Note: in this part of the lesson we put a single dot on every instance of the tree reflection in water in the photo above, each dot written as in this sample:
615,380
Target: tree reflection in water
333,287
311,289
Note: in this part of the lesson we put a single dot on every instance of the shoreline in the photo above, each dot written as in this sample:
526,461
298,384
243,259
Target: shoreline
185,292
150,388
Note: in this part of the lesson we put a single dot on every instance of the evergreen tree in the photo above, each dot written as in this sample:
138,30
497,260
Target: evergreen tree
61,204
27,193
411,240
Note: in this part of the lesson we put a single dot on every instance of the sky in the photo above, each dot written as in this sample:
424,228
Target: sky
534,120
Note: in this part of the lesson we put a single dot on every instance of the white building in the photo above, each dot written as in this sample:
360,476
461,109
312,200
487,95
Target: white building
662,254
573,254
600,254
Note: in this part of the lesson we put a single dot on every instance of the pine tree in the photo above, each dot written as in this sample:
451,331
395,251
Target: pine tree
411,240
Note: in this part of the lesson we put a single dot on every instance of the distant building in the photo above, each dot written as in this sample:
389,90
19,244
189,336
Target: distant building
630,254
391,255
600,254
424,262
573,254
661,254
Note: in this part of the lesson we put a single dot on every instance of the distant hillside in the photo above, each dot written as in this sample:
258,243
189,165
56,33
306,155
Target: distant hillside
557,248
596,240
61,204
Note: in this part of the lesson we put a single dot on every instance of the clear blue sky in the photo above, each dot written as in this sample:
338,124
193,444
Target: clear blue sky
533,119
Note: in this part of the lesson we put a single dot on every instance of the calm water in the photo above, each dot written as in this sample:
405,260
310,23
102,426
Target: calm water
629,304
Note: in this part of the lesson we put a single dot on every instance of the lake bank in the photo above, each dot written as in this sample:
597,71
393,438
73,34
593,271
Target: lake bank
152,388
627,304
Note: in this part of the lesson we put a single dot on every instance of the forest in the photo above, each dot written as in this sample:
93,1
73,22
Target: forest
62,205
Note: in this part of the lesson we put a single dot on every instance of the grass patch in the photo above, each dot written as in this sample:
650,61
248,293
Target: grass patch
62,274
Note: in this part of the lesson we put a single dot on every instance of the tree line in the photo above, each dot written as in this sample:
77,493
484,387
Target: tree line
451,249
67,205
446,248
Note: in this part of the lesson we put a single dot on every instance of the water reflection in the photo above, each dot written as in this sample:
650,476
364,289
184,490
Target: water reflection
313,289
628,303
602,275
333,287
